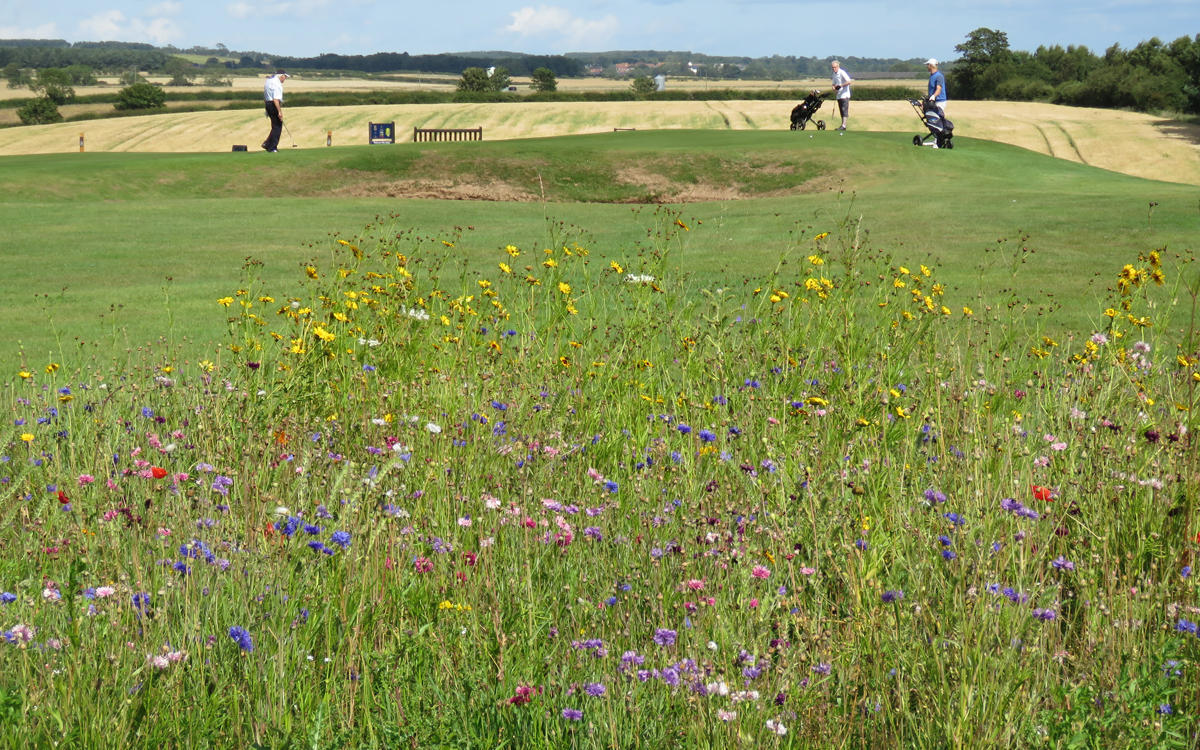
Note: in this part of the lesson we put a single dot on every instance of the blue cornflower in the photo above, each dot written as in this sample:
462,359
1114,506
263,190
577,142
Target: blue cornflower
595,689
822,668
141,601
1186,571
499,406
935,496
1062,563
1186,626
945,540
572,714
241,636
312,529
147,412
685,429
948,554
611,486
707,436
341,539
892,595
182,568
665,637
7,598
720,400
862,544
954,518
316,545
1165,709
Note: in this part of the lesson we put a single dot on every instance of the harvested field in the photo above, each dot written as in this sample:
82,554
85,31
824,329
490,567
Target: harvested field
1133,143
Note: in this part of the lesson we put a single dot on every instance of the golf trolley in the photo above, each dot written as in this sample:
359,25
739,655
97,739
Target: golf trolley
804,111
941,130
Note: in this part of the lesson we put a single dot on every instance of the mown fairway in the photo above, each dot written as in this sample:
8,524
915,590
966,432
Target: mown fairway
93,238
1137,144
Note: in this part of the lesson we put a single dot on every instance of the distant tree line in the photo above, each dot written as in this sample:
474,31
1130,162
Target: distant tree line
380,62
775,67
1153,76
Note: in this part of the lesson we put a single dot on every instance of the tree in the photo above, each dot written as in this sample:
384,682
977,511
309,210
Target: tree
54,84
40,111
181,71
986,61
130,77
544,80
499,80
141,96
474,79
642,86
18,77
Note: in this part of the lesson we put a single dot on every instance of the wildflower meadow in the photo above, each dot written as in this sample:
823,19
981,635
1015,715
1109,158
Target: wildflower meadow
583,503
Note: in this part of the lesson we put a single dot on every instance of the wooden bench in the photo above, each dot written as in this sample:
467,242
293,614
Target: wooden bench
447,134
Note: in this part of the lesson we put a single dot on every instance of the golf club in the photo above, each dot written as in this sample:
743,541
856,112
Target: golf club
289,132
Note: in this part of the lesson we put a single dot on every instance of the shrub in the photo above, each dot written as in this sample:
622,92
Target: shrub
40,111
141,96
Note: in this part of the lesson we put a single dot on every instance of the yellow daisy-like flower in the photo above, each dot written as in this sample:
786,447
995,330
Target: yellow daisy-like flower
821,236
206,365
616,267
25,374
27,437
505,268
225,301
52,367
312,272
322,334
564,287
968,311
816,260
512,251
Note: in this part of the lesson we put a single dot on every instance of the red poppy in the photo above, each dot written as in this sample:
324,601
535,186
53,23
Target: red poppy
62,497
158,472
1045,494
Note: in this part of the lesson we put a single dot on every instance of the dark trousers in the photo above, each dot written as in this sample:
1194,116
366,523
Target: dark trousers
272,142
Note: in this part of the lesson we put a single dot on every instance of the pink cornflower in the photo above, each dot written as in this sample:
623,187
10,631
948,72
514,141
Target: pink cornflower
695,584
422,565
104,592
760,571
85,479
807,571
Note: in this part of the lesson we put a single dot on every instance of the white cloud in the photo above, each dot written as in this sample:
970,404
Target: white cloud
45,31
548,20
287,7
166,8
112,25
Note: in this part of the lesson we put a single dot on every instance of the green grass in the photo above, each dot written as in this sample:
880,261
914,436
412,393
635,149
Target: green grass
93,238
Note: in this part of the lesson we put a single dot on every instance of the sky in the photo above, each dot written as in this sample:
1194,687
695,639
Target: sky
751,28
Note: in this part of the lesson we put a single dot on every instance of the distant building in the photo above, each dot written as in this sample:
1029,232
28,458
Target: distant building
660,82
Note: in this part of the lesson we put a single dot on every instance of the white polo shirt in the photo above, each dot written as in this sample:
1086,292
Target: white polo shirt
273,89
842,78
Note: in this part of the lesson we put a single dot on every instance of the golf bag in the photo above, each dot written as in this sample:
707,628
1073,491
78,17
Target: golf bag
940,129
804,111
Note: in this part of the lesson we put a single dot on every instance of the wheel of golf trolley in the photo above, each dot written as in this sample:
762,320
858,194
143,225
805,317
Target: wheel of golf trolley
820,124
916,140
949,143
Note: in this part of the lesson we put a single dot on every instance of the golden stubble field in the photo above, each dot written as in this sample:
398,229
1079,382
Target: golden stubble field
1137,144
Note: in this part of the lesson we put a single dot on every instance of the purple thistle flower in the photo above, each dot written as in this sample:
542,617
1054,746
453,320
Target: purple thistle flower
1062,563
595,689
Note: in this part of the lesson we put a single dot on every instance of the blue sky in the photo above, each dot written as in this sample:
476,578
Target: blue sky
753,28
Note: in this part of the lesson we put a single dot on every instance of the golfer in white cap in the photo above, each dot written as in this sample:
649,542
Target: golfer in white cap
937,85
